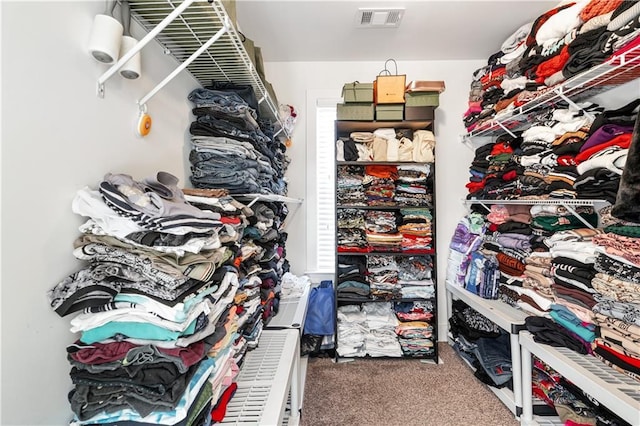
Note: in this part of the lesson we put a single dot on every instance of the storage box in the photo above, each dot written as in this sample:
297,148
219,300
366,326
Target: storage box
419,113
390,89
389,112
357,92
425,86
355,111
417,99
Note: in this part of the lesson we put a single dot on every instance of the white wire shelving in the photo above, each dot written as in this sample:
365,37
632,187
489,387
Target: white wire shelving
614,390
617,70
268,382
201,37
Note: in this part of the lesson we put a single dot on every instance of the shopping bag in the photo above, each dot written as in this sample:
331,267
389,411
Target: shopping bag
320,319
389,88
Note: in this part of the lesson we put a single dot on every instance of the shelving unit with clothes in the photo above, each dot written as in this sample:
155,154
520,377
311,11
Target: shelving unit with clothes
204,267
385,234
616,391
539,156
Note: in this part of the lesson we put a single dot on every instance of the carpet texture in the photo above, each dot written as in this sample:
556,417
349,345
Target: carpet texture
403,392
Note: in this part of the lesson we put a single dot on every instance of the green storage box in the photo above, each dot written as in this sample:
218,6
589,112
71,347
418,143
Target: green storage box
389,111
419,99
357,92
355,111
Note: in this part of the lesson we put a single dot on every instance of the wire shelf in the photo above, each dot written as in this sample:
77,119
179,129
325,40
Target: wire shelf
545,202
224,60
618,70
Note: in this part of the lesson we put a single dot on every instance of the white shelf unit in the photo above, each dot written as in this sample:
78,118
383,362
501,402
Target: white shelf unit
617,70
291,315
266,382
201,37
614,390
507,318
291,312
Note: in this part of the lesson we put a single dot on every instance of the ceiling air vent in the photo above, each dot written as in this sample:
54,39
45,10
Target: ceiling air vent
379,17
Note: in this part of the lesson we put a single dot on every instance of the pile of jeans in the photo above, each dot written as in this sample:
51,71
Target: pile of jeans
231,148
482,344
163,311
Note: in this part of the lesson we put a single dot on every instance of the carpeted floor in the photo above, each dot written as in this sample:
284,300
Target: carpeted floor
401,392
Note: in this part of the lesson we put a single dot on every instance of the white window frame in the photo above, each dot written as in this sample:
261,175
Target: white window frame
315,99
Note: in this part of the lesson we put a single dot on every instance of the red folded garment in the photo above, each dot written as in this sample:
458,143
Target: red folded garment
623,141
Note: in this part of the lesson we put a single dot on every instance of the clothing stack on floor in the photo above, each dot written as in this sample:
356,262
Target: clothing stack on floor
160,307
482,344
558,45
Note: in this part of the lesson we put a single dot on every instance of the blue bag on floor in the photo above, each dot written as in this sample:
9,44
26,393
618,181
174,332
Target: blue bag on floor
320,319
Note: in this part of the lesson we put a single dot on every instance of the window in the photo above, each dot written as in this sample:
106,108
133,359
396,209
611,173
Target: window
325,187
320,187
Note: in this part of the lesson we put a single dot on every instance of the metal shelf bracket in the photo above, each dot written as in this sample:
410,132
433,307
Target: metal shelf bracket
185,64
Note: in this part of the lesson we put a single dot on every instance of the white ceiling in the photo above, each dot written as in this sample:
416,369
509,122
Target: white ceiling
313,30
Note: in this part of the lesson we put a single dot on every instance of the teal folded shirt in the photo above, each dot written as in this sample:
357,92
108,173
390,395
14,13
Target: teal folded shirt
134,330
584,333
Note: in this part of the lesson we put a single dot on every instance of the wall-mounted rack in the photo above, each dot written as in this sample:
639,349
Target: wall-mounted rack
201,37
617,70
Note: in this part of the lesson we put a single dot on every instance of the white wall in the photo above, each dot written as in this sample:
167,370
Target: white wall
57,137
293,80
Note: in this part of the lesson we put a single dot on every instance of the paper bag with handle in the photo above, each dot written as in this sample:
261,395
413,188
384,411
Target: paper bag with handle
390,87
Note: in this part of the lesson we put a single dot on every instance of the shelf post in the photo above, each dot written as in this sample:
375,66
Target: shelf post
499,123
573,104
577,215
527,402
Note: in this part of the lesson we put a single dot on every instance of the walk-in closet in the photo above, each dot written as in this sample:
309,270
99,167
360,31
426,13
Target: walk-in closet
315,213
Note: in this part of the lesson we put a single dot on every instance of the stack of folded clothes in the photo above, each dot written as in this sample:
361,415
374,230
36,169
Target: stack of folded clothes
558,45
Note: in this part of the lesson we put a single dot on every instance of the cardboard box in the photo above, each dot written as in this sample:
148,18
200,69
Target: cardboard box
419,113
417,99
390,112
355,111
357,92
425,86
